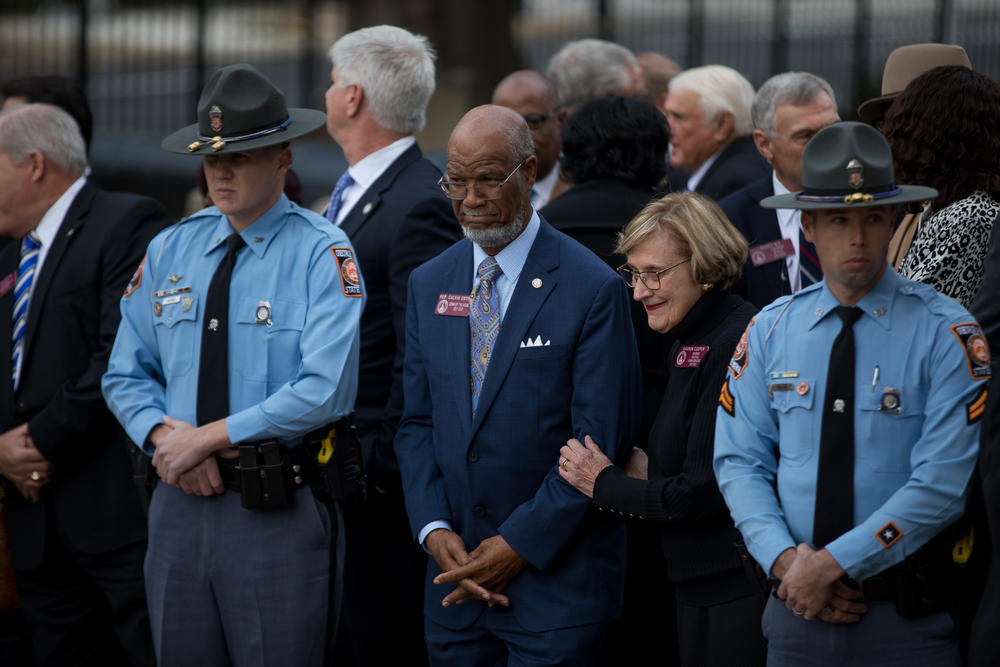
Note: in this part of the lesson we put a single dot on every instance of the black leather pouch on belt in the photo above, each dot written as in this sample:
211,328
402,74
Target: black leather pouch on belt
334,454
263,482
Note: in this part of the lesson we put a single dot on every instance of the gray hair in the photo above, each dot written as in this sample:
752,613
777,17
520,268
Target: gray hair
722,90
45,128
795,88
396,70
589,68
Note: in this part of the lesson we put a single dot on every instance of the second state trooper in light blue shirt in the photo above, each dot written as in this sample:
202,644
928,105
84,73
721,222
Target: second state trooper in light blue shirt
919,393
230,582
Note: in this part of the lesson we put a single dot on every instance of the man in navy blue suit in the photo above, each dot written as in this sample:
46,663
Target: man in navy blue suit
787,111
494,384
396,216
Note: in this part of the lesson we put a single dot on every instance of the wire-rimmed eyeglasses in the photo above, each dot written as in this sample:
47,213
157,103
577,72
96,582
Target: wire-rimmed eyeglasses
651,279
485,190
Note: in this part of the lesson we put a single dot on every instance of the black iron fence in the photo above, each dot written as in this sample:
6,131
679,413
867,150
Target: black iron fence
144,61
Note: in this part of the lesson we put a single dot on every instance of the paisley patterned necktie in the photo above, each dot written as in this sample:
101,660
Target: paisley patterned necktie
484,321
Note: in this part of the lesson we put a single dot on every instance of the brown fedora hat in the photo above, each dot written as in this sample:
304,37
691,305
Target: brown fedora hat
903,66
239,110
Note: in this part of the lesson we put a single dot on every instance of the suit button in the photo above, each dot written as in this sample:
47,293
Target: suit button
473,456
479,510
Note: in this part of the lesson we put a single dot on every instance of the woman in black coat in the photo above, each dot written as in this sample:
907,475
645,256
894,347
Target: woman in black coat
682,256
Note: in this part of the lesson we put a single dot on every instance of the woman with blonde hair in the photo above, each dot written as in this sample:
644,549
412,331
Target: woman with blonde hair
682,256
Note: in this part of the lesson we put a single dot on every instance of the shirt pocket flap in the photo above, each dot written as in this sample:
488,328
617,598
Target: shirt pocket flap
900,402
171,310
788,394
276,314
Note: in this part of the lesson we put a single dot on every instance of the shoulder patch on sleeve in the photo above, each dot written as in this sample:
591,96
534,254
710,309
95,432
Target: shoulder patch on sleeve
889,534
136,279
741,355
726,399
977,351
977,408
350,279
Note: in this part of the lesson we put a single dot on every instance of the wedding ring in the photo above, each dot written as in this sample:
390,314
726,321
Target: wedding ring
562,462
798,613
35,476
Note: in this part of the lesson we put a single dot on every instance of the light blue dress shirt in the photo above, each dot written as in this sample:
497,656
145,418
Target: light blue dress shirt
293,337
918,390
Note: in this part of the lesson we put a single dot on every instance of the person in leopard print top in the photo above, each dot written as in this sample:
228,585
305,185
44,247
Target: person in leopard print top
942,130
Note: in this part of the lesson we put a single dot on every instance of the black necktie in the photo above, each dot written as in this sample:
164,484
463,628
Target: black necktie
834,514
213,371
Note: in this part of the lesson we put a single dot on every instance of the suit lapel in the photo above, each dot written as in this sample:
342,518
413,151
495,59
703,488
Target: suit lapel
455,330
372,197
43,280
525,302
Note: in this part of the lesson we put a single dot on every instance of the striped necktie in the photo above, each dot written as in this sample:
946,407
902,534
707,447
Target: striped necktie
484,320
337,196
809,269
22,296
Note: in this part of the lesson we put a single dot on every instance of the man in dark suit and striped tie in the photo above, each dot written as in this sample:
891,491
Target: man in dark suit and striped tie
787,111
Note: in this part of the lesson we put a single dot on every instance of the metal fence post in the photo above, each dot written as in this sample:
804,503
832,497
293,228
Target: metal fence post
81,44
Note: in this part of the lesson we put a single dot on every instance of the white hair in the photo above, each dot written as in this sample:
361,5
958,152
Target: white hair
396,70
722,90
45,128
589,68
795,88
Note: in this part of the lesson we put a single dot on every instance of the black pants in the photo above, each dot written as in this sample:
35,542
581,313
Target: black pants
382,619
87,609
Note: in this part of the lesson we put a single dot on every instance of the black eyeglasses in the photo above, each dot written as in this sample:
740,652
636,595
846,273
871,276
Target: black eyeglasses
536,120
485,190
651,279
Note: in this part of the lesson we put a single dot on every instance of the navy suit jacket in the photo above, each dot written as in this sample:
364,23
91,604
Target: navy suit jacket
739,164
760,285
73,316
496,472
400,222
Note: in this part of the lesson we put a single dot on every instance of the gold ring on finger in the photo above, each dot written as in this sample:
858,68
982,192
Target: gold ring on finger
35,476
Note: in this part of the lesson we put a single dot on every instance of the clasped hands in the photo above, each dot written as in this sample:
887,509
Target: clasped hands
23,464
185,454
482,574
811,586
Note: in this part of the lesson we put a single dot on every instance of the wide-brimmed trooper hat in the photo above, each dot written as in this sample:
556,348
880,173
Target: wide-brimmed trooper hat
848,165
903,66
240,109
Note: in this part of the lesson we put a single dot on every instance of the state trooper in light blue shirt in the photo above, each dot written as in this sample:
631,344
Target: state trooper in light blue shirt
919,392
227,584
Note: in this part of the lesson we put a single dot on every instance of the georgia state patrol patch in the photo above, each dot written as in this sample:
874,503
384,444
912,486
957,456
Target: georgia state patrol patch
889,534
975,410
977,352
136,279
350,279
726,399
741,355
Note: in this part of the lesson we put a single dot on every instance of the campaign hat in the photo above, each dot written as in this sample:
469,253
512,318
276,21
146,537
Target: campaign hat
239,110
848,165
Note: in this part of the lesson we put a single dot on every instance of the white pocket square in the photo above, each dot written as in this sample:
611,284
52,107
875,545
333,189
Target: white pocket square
534,342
